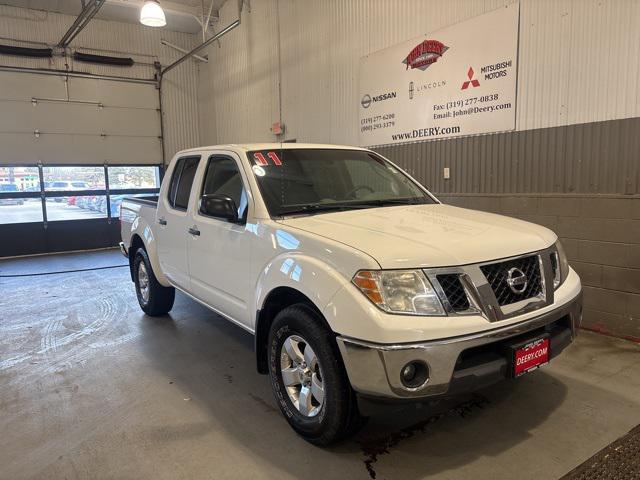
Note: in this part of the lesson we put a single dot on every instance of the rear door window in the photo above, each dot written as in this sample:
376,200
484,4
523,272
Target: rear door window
181,182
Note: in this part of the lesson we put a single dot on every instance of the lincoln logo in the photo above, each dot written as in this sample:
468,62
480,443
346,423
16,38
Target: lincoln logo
517,280
410,90
424,54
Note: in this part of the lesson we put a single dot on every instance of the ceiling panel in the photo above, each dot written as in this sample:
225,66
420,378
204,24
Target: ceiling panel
179,13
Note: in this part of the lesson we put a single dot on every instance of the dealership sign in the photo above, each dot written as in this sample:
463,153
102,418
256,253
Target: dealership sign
460,80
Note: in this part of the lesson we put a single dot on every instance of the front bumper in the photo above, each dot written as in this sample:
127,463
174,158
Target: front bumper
123,249
456,365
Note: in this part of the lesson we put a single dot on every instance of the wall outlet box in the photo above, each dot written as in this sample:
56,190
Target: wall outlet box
447,173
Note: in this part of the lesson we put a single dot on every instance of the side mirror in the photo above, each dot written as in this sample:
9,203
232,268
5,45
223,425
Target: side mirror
219,206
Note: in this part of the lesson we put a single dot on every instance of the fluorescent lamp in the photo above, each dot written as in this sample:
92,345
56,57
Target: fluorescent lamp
152,15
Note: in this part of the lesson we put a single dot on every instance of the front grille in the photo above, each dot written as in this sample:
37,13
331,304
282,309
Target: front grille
454,291
554,262
497,274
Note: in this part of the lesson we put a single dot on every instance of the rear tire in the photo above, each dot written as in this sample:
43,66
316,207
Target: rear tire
317,399
154,299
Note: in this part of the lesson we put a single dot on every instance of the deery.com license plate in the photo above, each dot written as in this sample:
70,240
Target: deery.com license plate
530,356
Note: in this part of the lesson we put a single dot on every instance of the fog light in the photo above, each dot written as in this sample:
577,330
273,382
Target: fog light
414,374
409,372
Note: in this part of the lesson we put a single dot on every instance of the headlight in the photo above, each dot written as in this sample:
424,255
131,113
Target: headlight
406,292
560,265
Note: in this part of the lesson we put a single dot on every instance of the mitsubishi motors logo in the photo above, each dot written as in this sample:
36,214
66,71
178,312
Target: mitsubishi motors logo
471,80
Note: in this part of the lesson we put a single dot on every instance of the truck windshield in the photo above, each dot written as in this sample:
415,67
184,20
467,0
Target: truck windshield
320,180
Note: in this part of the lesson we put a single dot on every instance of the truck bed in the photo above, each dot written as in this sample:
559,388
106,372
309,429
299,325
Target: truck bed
146,200
143,207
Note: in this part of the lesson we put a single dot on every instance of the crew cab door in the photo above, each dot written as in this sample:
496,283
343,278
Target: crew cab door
173,222
219,250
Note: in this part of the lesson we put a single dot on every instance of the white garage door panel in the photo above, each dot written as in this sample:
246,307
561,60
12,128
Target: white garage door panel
126,121
24,86
78,149
133,150
113,94
125,131
76,118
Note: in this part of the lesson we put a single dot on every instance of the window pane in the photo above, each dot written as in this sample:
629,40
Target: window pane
223,178
19,179
76,208
73,178
292,178
186,180
134,177
20,210
175,177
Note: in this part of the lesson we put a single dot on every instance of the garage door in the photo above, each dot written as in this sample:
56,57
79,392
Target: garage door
70,149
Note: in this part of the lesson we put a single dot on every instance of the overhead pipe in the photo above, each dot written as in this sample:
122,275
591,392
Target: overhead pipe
85,16
221,33
67,73
182,50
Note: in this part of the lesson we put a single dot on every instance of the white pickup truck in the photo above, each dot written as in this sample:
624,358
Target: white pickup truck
356,282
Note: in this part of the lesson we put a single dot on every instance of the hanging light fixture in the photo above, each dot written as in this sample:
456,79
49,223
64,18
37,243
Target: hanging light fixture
152,15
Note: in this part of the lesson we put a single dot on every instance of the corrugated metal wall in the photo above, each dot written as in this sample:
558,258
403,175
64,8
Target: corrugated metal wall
579,62
103,37
239,85
589,158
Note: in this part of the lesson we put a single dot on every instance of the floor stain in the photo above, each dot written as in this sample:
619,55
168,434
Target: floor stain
267,406
373,448
228,378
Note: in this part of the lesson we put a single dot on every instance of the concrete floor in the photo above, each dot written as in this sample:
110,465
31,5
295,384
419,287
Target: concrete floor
91,388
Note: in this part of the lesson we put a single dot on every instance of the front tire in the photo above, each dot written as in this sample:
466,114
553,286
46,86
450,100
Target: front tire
308,379
154,299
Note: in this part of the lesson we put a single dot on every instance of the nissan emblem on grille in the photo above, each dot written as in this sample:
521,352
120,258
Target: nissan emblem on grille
517,280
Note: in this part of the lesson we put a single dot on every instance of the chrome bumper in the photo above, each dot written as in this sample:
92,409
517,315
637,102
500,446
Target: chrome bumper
123,249
374,369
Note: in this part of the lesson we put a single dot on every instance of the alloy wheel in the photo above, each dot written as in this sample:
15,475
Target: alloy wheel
302,375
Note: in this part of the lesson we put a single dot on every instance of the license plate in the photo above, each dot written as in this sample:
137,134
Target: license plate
530,356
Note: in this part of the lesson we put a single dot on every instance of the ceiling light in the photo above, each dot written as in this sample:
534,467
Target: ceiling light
152,15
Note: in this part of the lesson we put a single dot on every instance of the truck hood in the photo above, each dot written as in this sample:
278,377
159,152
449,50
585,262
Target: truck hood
412,236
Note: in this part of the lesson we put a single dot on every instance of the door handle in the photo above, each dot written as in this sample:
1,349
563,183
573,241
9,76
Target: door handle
162,221
194,231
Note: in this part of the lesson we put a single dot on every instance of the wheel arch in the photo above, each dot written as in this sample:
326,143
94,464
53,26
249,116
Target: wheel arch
134,246
142,237
276,300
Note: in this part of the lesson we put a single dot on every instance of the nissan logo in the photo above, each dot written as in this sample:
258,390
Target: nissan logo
517,280
366,101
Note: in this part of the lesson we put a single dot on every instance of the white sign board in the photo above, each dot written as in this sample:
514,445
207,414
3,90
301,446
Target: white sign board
460,80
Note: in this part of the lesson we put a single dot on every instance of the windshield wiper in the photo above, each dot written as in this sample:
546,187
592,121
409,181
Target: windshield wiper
358,205
388,201
320,207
